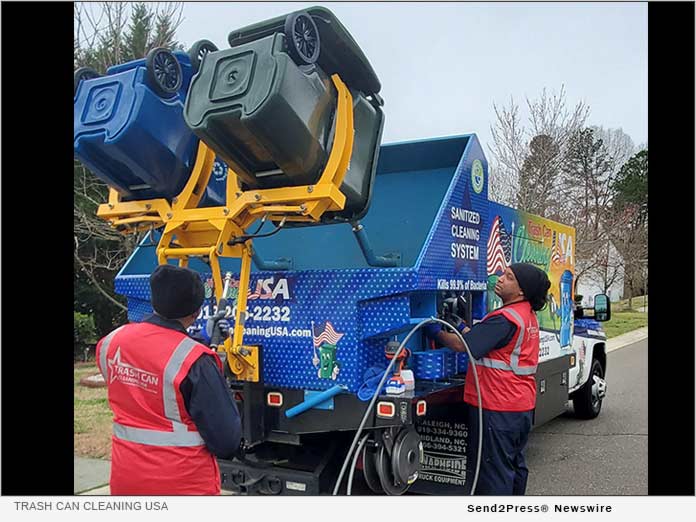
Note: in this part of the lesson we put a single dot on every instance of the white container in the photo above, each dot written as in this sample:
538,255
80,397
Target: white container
409,380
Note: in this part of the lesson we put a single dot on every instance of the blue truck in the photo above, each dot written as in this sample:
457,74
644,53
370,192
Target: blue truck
343,379
430,233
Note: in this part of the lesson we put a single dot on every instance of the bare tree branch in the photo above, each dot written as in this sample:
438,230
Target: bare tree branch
95,283
523,177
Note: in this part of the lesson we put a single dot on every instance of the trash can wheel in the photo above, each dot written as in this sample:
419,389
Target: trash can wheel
83,73
198,50
163,71
302,35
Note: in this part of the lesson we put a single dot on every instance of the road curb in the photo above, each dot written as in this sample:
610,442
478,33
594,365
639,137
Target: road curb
627,339
100,490
105,490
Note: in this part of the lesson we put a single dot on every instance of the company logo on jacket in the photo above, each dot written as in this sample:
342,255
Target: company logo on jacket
130,375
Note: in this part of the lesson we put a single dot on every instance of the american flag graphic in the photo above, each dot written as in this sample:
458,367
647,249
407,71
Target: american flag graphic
499,248
325,333
506,240
258,292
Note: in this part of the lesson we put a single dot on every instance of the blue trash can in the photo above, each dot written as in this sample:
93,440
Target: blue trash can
133,136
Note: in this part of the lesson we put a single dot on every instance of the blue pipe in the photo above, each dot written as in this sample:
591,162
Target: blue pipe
313,401
370,257
261,264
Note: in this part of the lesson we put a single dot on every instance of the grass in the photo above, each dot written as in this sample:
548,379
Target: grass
623,306
91,416
625,319
622,322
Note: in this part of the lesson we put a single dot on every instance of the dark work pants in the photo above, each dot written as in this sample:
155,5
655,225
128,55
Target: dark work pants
503,468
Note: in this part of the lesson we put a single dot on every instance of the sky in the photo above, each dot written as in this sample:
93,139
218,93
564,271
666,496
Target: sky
443,65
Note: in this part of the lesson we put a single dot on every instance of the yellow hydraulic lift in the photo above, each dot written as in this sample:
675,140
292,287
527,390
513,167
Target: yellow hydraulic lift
216,232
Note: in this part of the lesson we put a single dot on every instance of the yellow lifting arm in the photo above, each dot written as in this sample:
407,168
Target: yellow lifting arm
207,232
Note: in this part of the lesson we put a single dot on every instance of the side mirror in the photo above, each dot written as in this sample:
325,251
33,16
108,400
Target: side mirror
602,308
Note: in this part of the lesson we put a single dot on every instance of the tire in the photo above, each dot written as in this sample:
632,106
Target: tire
198,51
302,37
587,401
83,73
163,72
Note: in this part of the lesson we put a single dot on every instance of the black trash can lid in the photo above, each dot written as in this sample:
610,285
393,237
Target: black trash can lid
339,51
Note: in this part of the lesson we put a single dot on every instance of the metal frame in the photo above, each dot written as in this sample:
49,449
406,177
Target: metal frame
208,232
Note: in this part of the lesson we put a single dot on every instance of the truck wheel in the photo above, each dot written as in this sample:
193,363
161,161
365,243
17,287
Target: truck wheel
587,401
302,36
163,72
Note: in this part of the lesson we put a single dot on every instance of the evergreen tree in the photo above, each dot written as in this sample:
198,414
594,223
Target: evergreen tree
165,28
631,186
630,191
139,32
586,189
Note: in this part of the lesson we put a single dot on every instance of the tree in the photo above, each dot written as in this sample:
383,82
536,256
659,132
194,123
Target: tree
139,39
106,34
538,175
618,144
507,154
586,188
554,166
167,22
586,181
631,186
630,197
522,153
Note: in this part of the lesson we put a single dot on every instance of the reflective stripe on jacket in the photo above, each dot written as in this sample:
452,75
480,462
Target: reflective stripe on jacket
506,375
156,448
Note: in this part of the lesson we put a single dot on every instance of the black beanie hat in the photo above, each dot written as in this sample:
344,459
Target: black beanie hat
533,282
175,292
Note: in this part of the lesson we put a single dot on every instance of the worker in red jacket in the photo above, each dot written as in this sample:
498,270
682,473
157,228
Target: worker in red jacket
172,409
505,345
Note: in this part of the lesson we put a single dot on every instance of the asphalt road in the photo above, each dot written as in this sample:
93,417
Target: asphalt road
604,456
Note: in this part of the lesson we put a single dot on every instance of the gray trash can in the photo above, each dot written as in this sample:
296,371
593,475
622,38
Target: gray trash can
271,115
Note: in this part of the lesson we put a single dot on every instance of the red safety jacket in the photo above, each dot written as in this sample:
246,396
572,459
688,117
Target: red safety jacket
506,375
156,448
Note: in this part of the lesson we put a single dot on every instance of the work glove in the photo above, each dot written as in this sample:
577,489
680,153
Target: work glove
198,335
222,326
457,322
432,329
